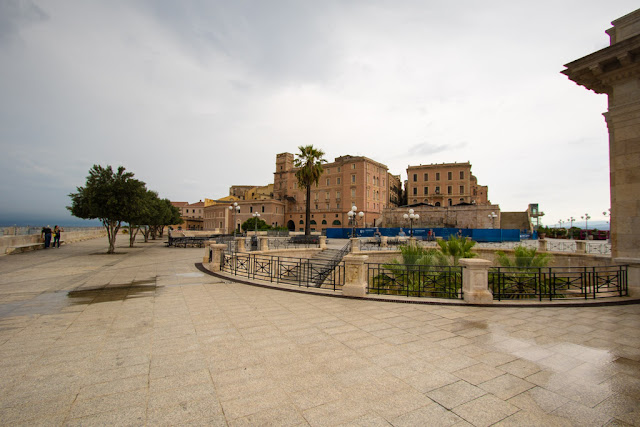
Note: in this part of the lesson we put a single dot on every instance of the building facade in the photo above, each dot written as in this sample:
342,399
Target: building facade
218,218
192,214
444,184
348,181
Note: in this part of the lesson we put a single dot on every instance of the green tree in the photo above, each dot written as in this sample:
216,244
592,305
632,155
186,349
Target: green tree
112,197
457,247
250,225
309,161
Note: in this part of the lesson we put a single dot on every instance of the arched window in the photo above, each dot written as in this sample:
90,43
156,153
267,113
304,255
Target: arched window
313,222
337,222
324,222
437,203
301,222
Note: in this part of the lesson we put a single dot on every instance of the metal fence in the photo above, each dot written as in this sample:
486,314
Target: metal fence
552,283
415,280
293,271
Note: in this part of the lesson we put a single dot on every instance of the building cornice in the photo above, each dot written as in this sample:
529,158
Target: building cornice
602,69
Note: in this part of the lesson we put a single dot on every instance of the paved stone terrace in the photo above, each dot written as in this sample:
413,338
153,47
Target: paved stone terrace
144,338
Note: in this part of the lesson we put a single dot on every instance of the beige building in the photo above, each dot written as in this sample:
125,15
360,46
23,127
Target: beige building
444,184
348,181
615,71
191,214
218,218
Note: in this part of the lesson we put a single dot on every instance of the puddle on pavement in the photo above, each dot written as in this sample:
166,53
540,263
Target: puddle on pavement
110,293
56,302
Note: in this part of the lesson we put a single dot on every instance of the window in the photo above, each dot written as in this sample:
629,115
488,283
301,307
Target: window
353,179
353,165
324,222
449,176
415,177
449,190
338,180
337,195
426,177
353,192
461,174
437,190
328,182
437,176
415,191
338,170
336,222
250,209
462,189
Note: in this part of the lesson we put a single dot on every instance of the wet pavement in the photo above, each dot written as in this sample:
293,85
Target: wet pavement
144,338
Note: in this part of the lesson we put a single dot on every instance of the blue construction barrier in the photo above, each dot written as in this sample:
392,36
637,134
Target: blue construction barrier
476,234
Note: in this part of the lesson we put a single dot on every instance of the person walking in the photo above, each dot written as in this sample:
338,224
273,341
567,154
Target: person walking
57,231
46,233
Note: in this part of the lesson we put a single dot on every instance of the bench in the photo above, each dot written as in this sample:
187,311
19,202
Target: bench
24,248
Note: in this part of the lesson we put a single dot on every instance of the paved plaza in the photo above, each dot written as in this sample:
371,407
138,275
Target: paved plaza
143,337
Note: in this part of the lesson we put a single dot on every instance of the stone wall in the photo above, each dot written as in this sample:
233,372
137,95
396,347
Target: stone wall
6,242
469,216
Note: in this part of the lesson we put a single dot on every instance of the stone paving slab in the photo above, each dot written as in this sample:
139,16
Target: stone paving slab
143,337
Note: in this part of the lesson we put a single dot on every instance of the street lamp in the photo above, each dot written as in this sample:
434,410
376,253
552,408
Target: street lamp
571,228
256,216
353,218
234,208
586,218
411,216
492,216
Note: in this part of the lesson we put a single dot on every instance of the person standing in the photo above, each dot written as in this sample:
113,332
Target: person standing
57,231
46,232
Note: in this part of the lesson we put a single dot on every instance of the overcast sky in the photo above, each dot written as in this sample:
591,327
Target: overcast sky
195,96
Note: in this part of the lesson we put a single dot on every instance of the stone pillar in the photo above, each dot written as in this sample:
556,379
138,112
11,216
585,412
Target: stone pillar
355,245
323,243
263,243
615,71
384,241
581,247
475,281
217,252
633,275
413,242
355,281
240,244
542,245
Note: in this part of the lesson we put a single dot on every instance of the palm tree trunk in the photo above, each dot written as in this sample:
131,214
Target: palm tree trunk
307,215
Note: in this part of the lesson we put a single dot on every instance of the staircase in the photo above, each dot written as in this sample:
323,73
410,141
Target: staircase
323,263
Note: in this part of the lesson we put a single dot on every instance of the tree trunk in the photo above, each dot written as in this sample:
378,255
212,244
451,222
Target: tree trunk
307,216
112,232
132,235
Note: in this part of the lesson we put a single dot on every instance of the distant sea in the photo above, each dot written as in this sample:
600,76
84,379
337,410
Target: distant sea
597,225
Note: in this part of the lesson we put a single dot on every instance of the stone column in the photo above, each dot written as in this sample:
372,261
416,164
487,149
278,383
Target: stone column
542,245
383,241
355,244
240,244
355,281
475,281
217,252
264,243
581,247
323,243
633,275
413,242
615,71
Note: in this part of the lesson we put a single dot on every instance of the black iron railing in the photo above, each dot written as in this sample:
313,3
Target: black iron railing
551,283
293,271
415,280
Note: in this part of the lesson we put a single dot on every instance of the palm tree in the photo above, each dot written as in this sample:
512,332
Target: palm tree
457,247
309,161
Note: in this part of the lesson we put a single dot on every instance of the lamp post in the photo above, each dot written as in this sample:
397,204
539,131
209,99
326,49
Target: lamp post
492,216
411,216
571,227
586,218
353,218
256,217
234,208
